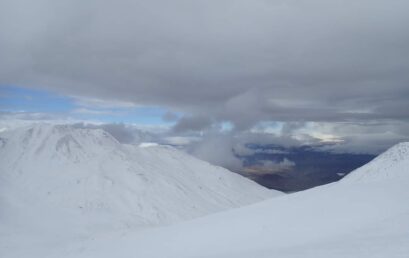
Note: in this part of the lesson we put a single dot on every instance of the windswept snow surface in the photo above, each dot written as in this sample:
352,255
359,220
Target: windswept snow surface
364,216
60,184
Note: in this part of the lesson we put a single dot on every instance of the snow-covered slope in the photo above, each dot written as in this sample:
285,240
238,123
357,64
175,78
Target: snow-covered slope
366,215
390,165
65,181
360,217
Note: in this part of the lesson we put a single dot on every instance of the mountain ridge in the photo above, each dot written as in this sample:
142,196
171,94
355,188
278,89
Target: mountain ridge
359,219
88,171
393,163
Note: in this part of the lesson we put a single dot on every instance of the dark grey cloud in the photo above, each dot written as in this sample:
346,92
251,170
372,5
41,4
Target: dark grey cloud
193,123
170,117
239,61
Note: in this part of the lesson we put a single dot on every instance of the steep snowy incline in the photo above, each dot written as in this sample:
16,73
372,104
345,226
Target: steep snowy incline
362,218
390,165
59,178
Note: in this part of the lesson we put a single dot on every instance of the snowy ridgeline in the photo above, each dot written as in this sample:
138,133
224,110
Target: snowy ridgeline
79,193
48,169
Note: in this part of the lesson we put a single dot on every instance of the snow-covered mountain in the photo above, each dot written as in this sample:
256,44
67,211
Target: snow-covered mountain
59,177
390,165
364,216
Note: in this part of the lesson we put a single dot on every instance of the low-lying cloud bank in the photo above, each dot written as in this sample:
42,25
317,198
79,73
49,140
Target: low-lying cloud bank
225,148
274,159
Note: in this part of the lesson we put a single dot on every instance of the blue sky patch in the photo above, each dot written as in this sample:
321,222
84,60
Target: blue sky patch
21,99
18,99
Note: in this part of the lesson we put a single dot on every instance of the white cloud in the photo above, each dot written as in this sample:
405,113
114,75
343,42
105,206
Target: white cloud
218,150
89,111
101,103
285,164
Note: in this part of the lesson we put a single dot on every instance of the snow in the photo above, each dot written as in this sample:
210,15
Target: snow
364,215
355,218
393,164
59,183
309,224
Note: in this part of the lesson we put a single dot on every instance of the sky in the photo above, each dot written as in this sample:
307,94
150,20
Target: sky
279,71
52,105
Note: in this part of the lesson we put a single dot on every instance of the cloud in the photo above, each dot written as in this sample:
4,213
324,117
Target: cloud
93,111
281,165
194,123
265,167
218,150
371,144
242,150
227,149
180,141
30,116
122,133
245,62
101,104
170,117
271,151
368,138
290,60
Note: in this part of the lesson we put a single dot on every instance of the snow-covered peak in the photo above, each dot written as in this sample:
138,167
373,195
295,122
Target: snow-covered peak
50,141
393,163
88,173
